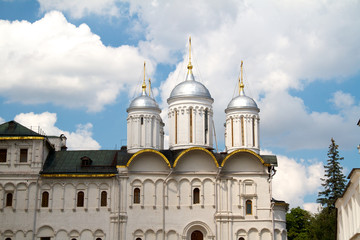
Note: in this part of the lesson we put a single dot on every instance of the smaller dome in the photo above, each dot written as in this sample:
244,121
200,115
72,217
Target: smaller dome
143,101
242,102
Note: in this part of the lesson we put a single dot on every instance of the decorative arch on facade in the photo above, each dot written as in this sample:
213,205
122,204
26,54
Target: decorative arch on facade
45,231
148,150
198,226
194,149
247,151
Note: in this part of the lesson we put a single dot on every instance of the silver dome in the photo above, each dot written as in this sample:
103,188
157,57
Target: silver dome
242,102
143,101
190,88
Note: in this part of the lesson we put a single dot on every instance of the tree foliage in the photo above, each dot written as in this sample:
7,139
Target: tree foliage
298,223
334,181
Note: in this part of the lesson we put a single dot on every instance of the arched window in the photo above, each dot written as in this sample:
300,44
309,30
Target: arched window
206,124
9,199
137,195
176,124
103,202
191,125
241,238
7,238
196,196
242,132
45,199
248,207
80,199
138,238
232,132
98,238
73,239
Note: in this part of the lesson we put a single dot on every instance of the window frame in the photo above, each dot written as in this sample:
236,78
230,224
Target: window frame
23,156
80,199
248,203
103,198
45,200
196,195
3,155
9,202
136,195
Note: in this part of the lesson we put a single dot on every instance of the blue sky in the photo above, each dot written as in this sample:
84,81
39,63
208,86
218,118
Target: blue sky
73,67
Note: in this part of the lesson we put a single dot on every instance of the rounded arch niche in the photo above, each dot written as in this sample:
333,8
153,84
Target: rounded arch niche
197,231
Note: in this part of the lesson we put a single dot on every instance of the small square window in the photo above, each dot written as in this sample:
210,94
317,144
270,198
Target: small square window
23,155
3,153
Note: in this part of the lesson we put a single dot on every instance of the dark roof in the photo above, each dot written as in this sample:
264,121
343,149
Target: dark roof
270,159
13,128
70,162
105,161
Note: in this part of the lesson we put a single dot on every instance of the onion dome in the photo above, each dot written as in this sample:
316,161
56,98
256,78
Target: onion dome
143,101
190,87
242,102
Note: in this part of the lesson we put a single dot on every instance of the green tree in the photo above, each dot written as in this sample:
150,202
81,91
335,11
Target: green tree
298,224
334,181
323,225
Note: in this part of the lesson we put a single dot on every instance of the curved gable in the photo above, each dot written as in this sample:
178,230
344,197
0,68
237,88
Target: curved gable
243,161
196,159
148,160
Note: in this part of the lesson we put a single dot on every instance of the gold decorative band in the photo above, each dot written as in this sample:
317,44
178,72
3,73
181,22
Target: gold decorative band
79,175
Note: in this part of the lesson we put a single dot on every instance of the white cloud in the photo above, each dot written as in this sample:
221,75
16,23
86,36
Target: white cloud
63,64
293,180
80,139
312,207
342,100
1,120
82,8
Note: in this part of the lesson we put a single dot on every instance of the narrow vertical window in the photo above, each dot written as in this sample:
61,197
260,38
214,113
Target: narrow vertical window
206,124
45,199
253,131
142,120
3,153
176,123
80,199
9,199
191,125
248,207
103,202
137,196
196,196
242,132
232,132
23,155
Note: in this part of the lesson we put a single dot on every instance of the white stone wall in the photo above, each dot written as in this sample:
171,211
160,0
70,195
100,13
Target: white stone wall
242,130
348,207
144,130
182,133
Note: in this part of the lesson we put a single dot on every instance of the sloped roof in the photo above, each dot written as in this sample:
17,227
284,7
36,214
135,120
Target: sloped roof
69,162
105,161
15,129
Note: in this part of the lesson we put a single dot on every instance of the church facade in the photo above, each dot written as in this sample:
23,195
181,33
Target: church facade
144,191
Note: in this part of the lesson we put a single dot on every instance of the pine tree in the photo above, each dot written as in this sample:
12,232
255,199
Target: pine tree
334,181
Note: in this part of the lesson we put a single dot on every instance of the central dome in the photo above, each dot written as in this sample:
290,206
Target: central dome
190,88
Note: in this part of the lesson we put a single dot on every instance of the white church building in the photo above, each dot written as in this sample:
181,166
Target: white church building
143,191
